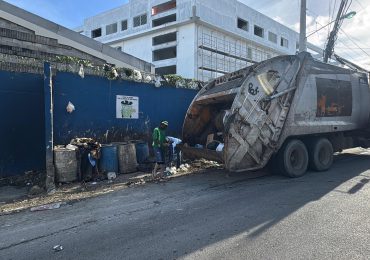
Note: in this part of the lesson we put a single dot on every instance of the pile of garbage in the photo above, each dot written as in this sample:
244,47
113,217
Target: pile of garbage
184,168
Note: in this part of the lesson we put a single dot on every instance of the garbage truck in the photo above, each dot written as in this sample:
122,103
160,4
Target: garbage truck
292,111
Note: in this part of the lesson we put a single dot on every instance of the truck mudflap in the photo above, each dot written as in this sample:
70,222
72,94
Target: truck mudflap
253,113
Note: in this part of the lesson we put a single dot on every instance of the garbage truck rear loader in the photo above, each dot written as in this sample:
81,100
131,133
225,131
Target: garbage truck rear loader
294,109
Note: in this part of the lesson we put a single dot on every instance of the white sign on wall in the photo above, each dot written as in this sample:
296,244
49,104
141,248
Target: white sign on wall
127,107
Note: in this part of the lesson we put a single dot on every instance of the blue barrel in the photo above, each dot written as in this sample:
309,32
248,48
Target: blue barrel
109,159
142,152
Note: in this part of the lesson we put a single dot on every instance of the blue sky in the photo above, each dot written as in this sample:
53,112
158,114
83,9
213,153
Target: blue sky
69,13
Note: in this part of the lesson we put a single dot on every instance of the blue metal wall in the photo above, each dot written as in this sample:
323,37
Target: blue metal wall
22,111
22,123
95,102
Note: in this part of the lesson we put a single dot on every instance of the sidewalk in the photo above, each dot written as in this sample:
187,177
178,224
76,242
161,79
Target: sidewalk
15,199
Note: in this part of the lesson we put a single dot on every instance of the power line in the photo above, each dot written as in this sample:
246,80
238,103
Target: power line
354,42
344,34
353,48
360,4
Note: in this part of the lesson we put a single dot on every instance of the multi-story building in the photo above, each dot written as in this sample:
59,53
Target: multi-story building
198,39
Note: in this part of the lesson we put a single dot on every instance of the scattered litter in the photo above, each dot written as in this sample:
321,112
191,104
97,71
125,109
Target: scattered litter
156,202
51,191
57,248
35,190
81,72
71,147
137,75
111,176
48,206
199,146
94,183
91,160
220,147
170,171
158,83
115,73
70,107
148,79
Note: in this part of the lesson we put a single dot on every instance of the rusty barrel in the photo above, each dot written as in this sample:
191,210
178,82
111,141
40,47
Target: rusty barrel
66,165
127,158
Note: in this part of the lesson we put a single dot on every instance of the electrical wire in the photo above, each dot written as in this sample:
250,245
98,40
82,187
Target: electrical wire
352,50
354,42
359,3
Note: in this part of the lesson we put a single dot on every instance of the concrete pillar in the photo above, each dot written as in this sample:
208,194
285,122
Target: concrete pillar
302,33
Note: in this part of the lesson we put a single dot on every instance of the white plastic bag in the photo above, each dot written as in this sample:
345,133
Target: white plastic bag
81,72
70,107
158,83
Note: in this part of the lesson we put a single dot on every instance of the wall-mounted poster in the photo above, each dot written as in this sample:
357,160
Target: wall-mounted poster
127,107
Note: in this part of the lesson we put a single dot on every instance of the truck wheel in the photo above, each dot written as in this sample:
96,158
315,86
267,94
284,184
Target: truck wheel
321,155
293,159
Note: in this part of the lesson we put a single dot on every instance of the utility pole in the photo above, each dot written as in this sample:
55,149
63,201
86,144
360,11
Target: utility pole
328,52
302,33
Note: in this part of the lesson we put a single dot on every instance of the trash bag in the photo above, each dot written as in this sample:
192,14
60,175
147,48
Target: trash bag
70,107
81,72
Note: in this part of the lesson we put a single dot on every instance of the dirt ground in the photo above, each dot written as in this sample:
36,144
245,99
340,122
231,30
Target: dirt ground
69,193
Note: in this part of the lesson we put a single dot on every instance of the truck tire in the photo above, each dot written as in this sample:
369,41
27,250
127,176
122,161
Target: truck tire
293,159
321,154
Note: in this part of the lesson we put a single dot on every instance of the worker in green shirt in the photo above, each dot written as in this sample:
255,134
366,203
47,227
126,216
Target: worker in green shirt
159,145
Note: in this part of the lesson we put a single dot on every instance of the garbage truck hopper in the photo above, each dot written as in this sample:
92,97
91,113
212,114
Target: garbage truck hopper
249,114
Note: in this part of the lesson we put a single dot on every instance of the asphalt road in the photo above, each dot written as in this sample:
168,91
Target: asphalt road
208,216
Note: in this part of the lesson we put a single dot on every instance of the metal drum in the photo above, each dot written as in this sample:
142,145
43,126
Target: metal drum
127,158
66,165
142,152
109,159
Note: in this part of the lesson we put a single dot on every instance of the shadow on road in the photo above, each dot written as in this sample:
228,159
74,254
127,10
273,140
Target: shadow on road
252,206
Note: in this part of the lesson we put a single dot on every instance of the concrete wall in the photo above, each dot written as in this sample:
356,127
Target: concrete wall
224,14
186,51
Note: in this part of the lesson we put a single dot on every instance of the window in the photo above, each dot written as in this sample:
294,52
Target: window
164,20
140,20
163,7
284,42
119,48
363,81
124,25
112,28
243,25
334,97
259,31
272,37
96,33
168,70
164,54
165,38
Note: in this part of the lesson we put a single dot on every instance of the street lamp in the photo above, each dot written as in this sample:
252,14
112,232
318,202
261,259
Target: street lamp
346,16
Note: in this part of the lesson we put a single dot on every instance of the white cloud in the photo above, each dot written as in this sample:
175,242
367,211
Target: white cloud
317,16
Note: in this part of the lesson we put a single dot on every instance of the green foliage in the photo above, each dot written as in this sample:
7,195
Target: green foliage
173,79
